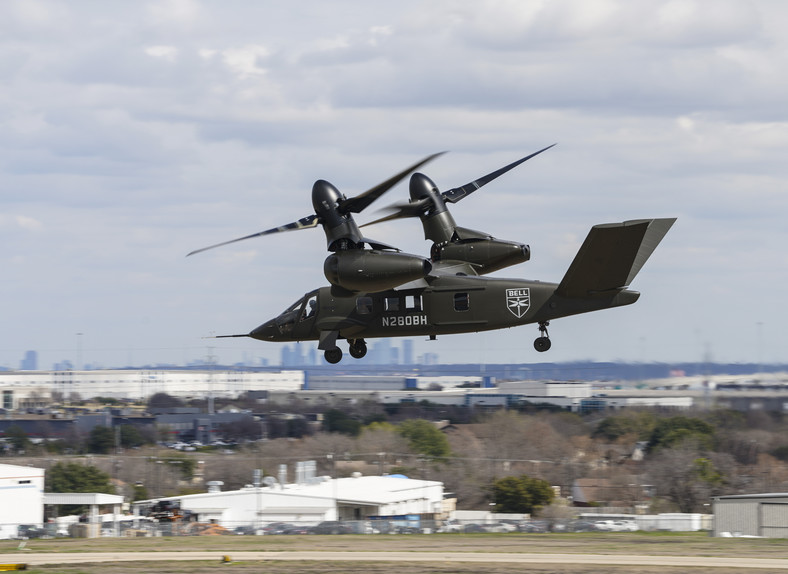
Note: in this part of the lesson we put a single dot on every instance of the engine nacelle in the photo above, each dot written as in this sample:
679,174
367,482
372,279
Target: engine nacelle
370,271
487,255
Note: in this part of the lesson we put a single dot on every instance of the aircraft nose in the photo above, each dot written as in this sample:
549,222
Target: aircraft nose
265,332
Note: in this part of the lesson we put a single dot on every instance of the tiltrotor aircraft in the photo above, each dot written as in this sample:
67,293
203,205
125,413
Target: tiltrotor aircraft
378,291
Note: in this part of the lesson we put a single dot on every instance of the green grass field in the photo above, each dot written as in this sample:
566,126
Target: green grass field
653,544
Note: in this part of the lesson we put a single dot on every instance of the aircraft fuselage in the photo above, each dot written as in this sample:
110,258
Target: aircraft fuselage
448,305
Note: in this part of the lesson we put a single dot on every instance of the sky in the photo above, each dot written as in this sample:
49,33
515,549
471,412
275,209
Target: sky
135,132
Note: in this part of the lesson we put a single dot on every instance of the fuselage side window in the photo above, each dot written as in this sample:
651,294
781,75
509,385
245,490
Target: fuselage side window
392,304
461,302
413,302
364,305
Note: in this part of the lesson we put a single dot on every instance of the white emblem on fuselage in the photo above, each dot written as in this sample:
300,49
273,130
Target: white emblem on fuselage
518,301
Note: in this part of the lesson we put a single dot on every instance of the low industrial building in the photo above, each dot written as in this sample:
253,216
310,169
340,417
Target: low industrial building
570,396
311,500
36,389
763,515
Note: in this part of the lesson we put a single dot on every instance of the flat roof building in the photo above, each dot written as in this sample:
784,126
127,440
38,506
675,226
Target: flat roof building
763,515
316,500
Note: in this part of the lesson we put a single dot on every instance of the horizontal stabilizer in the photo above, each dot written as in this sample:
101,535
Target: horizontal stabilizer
612,255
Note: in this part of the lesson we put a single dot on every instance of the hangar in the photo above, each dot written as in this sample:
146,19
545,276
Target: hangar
763,515
311,501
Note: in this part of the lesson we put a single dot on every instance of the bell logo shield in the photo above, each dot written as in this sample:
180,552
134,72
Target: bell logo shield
518,301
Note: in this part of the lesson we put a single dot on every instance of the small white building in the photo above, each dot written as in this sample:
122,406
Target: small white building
21,498
321,499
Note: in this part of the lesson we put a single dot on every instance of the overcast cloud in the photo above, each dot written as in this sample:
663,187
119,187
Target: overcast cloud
135,132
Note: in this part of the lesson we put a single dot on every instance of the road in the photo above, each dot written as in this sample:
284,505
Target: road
34,559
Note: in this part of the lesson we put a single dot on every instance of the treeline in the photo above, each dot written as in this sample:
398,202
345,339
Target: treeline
659,461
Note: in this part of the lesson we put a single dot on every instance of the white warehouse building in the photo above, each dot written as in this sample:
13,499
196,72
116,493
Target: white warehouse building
22,389
21,498
320,499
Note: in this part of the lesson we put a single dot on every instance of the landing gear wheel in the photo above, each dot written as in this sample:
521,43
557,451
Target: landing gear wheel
334,355
543,343
358,348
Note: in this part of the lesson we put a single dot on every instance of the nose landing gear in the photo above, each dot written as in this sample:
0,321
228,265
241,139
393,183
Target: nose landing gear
543,343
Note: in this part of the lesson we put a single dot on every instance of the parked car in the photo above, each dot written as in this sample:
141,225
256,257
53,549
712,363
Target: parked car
534,526
499,527
30,531
625,525
332,527
582,526
278,528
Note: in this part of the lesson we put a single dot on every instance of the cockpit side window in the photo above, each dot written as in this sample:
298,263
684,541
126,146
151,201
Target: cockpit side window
310,308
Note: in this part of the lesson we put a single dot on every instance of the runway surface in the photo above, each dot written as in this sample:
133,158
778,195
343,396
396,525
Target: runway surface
34,559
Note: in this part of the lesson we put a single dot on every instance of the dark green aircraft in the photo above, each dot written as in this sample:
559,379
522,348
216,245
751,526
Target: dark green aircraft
381,292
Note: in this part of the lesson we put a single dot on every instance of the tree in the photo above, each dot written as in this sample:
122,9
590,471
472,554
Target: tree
672,431
163,401
424,438
101,440
640,424
130,436
75,477
335,420
687,479
17,438
139,492
521,494
185,464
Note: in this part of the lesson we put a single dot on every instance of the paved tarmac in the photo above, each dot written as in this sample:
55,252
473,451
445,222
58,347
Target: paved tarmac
34,559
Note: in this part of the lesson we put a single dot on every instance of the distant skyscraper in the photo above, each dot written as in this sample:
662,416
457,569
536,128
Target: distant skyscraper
407,352
381,352
30,362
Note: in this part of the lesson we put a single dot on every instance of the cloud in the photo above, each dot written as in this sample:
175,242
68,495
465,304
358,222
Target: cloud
134,133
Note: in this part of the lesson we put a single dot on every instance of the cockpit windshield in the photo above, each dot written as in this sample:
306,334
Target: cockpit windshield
303,309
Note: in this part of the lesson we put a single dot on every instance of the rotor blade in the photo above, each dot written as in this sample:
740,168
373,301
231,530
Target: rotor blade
456,194
360,202
304,223
401,210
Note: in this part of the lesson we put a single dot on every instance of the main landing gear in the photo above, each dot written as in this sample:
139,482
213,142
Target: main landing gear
542,343
334,355
358,348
